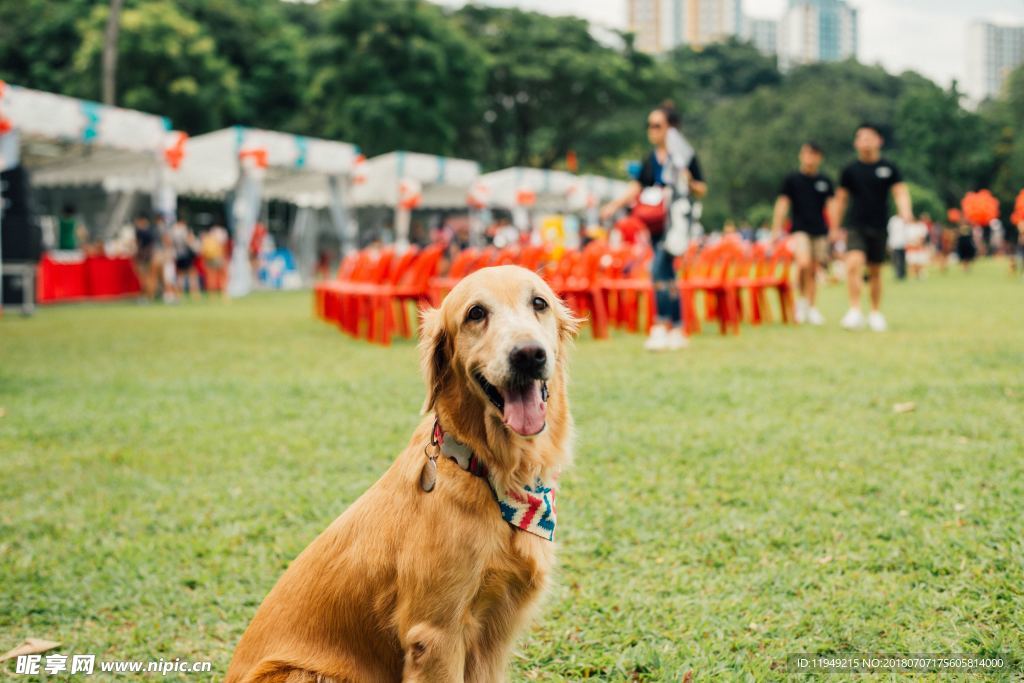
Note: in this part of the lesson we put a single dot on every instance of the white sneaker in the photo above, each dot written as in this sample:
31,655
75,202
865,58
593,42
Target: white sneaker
658,341
676,339
815,317
876,321
801,311
853,320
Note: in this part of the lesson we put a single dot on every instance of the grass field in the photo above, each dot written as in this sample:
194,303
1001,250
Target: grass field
750,498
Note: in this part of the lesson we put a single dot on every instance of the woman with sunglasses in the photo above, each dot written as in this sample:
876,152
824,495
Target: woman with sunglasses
671,164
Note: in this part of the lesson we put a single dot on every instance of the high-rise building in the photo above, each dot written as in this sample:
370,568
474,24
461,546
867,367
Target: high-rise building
817,31
661,25
993,51
763,33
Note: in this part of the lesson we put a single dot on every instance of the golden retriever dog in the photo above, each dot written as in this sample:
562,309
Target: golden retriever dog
433,571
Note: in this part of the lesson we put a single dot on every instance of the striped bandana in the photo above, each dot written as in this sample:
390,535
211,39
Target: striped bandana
531,508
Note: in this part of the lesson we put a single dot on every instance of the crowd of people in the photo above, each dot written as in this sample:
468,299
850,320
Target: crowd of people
172,262
841,231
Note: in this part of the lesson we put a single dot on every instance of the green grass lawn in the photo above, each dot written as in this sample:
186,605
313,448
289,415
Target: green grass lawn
749,498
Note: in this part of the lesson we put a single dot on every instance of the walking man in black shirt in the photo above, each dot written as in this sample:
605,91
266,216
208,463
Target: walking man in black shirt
805,193
865,186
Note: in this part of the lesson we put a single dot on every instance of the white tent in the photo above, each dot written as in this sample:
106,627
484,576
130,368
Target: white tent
259,164
67,142
295,169
601,189
533,188
409,180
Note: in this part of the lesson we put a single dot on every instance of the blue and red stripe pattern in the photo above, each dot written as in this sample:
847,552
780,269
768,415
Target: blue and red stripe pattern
532,509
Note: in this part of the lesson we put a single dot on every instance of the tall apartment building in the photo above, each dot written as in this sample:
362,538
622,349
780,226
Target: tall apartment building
763,33
993,51
661,25
817,31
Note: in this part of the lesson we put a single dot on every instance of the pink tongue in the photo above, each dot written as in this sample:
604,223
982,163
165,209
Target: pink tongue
524,409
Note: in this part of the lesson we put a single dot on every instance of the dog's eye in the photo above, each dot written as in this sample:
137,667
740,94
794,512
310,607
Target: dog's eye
539,304
476,313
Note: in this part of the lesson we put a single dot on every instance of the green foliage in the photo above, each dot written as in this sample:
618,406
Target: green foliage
1006,117
268,52
38,39
927,201
169,65
395,75
508,87
940,144
550,84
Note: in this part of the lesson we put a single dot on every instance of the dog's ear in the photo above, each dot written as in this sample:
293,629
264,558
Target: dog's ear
568,323
435,354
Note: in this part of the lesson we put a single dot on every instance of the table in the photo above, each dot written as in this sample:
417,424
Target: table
71,276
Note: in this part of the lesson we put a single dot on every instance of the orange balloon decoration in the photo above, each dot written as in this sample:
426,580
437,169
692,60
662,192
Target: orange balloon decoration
257,156
410,193
174,153
1018,209
980,208
954,216
526,197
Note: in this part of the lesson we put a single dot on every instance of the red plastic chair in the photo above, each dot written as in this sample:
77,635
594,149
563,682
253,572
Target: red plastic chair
710,276
412,286
576,280
774,273
323,292
353,305
461,266
627,287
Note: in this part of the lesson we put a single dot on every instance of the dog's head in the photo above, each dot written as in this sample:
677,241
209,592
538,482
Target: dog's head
494,350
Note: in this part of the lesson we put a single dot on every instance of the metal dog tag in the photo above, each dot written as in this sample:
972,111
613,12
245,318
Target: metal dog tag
428,475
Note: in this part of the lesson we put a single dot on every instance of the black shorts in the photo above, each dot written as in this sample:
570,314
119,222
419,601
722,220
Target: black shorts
871,242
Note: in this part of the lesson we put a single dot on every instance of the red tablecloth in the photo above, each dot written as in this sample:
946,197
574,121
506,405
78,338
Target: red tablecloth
86,277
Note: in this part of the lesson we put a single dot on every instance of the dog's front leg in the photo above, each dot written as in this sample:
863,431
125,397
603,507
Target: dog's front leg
433,654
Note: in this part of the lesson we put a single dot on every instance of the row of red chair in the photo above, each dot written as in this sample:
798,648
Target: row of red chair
609,286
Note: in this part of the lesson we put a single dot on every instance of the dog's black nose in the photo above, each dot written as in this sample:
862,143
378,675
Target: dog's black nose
529,360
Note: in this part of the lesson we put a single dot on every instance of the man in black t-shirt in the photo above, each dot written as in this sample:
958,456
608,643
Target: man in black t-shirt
865,186
804,194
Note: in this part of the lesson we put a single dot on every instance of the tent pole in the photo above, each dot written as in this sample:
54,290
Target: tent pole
337,208
245,212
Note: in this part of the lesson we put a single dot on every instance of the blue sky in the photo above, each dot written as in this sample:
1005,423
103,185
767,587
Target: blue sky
929,36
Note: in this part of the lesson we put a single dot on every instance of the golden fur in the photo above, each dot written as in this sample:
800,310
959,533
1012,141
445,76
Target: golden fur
408,585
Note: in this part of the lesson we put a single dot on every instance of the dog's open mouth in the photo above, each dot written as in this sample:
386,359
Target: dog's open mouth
523,405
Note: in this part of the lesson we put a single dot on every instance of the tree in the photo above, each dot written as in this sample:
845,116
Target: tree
550,86
395,75
939,143
265,45
110,50
753,140
38,40
1005,117
174,68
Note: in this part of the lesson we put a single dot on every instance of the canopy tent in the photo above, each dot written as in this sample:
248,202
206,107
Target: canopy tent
67,142
409,180
601,189
256,165
530,188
